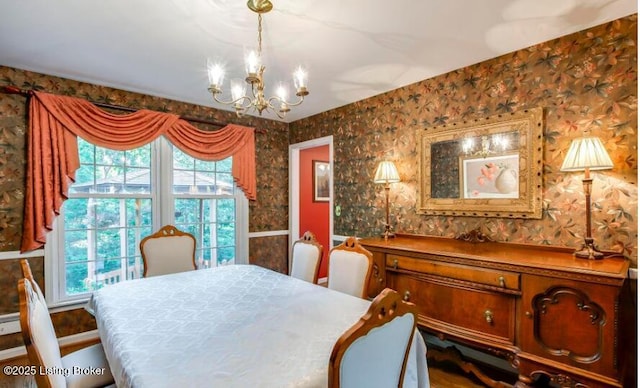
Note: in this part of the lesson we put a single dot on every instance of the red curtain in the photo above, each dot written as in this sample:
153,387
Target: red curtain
52,156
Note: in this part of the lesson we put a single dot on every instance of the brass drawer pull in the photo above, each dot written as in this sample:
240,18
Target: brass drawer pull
395,263
407,296
488,316
502,282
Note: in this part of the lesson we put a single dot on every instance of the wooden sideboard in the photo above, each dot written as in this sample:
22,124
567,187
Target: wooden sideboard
550,314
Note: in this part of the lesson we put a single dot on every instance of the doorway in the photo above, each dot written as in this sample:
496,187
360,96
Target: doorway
308,210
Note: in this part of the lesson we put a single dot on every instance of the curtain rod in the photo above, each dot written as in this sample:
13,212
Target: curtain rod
23,92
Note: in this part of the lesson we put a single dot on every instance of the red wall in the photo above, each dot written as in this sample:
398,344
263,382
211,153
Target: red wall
314,216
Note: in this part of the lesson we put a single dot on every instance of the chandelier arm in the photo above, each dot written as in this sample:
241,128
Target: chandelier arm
287,103
274,109
234,102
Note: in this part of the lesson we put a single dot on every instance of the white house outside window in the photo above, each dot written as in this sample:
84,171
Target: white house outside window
120,197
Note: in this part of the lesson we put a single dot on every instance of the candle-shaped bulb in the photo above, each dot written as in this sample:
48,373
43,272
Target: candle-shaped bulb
215,71
252,63
300,78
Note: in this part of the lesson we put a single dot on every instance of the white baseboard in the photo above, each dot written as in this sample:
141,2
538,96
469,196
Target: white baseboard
73,339
269,233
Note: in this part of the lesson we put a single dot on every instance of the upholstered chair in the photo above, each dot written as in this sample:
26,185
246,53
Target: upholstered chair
27,274
306,254
43,349
169,250
373,352
350,266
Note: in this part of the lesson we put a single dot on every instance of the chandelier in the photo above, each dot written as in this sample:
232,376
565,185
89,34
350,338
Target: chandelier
256,100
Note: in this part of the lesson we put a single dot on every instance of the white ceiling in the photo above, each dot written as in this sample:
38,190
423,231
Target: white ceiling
352,49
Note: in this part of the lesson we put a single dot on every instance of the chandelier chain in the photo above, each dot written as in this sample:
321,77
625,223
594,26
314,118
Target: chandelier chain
259,35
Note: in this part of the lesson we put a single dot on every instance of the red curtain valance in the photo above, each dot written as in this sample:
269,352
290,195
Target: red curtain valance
52,154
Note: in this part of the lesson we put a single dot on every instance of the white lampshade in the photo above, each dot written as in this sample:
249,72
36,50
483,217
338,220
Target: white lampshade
386,173
586,152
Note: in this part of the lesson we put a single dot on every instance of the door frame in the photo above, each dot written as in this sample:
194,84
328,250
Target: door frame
294,184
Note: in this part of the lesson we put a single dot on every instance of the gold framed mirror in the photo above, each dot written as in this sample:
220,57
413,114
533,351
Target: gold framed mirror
490,167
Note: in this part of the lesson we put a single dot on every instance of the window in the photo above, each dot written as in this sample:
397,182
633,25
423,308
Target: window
120,197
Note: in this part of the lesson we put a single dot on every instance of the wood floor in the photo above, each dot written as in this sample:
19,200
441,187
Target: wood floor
16,382
444,378
447,375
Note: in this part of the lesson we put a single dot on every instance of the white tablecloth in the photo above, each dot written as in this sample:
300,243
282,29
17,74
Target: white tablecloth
233,326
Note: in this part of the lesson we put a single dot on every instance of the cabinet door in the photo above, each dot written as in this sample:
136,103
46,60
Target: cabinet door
570,322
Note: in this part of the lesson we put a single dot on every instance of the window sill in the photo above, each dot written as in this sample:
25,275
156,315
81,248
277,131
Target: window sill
69,305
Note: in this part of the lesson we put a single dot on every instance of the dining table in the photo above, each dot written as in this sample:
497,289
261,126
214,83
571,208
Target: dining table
238,325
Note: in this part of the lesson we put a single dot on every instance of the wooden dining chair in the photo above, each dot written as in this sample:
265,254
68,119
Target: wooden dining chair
373,353
27,274
306,254
43,349
169,250
349,269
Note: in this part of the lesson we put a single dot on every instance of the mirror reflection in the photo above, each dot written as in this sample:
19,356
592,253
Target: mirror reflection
489,167
451,159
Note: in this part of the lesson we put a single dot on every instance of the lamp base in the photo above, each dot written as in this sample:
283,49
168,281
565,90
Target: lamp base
388,234
589,251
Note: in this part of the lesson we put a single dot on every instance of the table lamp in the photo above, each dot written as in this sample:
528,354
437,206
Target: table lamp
587,153
386,173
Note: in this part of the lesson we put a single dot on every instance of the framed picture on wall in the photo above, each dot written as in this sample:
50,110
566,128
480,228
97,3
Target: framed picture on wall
320,181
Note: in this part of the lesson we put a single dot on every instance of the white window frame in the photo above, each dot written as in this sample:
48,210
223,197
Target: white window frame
162,197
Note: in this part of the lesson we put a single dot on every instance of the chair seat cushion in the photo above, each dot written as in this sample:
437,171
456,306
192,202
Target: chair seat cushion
88,368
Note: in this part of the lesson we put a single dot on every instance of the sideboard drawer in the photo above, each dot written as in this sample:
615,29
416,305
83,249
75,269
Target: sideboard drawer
490,277
485,312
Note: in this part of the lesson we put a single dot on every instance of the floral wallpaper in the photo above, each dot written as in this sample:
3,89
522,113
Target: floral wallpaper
270,252
584,81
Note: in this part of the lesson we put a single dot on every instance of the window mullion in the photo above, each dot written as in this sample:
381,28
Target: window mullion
161,183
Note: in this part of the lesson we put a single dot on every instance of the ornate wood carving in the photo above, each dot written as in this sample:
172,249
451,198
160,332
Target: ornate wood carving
453,355
475,236
559,379
560,298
